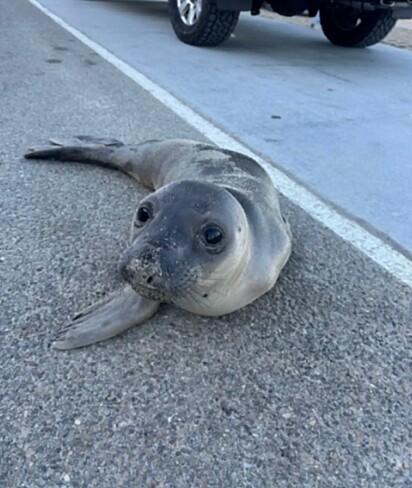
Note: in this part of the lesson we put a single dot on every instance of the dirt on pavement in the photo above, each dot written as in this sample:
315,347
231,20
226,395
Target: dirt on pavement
401,35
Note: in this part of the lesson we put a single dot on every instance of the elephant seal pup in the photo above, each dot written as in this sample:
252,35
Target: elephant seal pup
210,239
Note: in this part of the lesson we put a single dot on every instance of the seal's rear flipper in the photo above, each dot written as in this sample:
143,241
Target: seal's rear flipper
85,141
115,157
100,151
77,148
118,313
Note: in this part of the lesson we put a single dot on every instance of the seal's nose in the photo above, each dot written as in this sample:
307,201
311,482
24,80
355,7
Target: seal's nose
140,269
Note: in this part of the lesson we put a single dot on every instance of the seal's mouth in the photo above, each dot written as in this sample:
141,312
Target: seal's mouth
149,292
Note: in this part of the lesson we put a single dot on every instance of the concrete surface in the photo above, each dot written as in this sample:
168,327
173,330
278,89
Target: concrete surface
308,387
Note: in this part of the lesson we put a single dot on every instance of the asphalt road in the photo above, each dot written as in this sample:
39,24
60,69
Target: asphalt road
310,386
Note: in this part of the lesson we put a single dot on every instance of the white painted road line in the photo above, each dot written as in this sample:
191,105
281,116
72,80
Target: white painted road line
377,250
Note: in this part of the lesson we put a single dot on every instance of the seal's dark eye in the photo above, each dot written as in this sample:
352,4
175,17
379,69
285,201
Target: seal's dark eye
213,236
143,215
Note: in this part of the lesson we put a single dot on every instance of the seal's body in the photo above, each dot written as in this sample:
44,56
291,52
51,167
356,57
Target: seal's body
210,239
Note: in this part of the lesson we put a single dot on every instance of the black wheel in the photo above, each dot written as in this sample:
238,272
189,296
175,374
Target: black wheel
200,22
348,27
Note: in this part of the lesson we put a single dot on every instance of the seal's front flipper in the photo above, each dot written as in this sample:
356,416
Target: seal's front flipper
118,313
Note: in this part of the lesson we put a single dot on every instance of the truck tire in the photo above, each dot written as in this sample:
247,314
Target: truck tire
348,27
200,22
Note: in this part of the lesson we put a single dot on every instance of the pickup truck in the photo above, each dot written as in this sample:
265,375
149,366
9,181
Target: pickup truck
348,23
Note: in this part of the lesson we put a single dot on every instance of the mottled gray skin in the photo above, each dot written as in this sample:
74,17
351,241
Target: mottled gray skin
210,239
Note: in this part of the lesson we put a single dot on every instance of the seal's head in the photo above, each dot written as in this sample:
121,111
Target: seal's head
189,247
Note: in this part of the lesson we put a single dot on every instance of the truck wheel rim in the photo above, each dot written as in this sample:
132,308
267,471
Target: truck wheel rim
189,10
